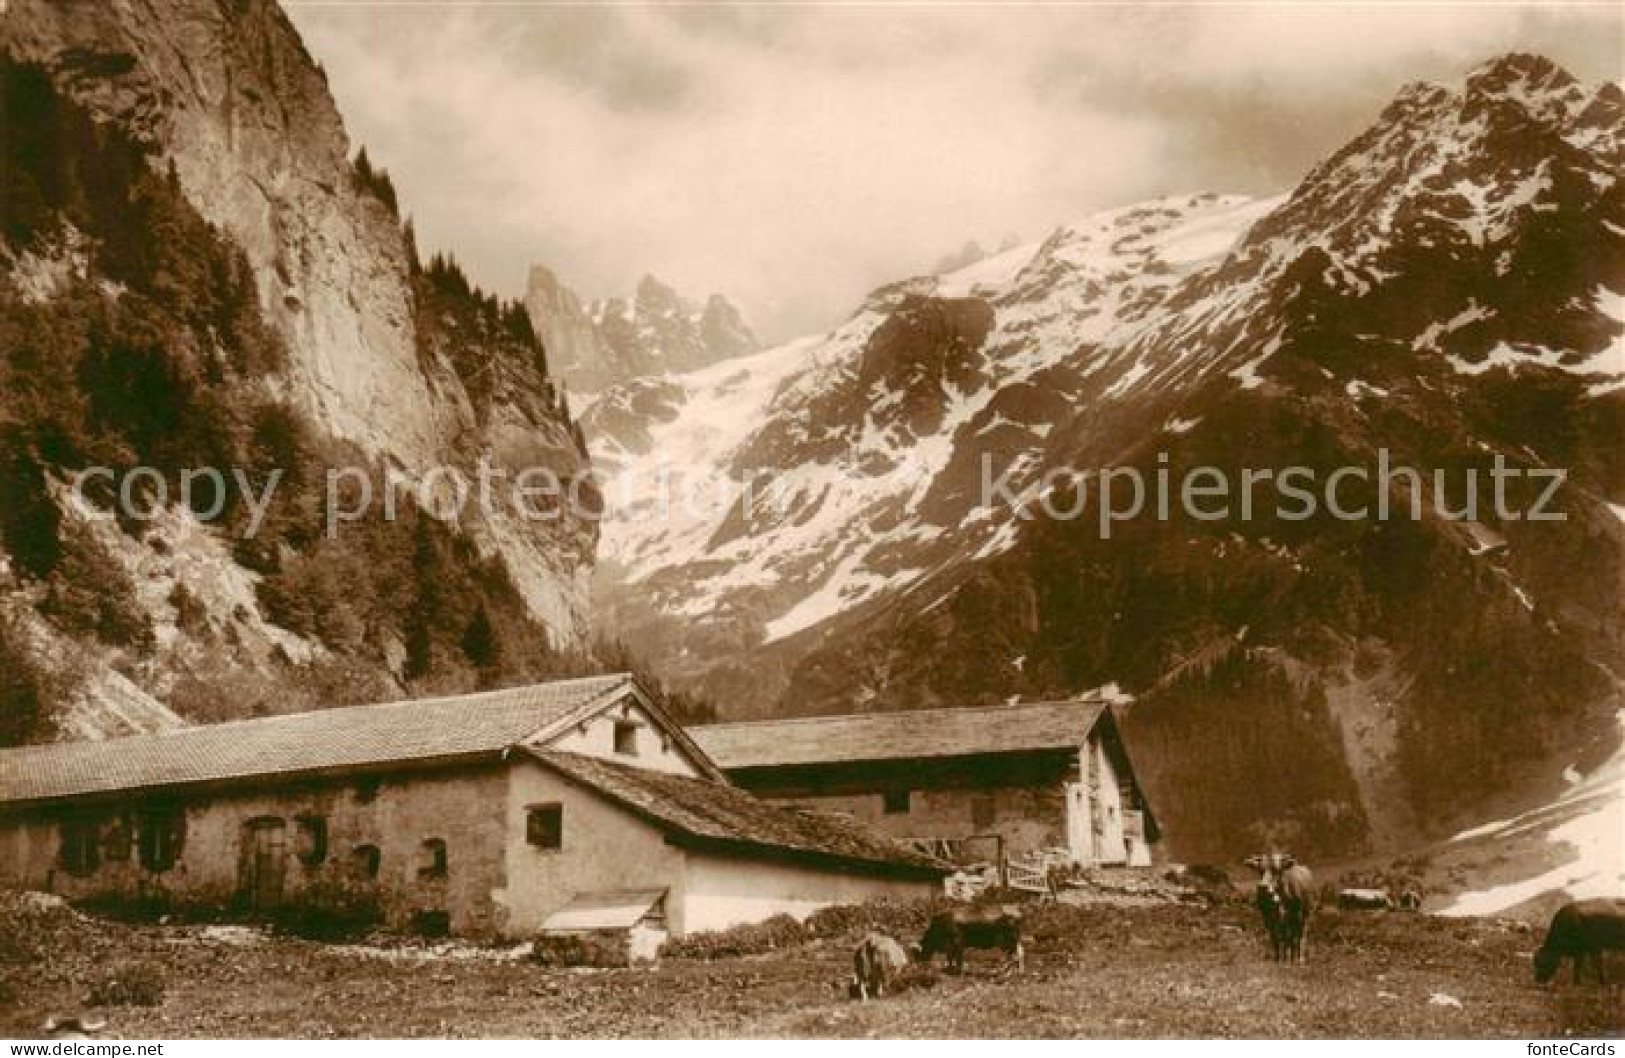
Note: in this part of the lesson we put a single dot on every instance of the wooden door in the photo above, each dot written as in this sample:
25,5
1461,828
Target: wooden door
264,862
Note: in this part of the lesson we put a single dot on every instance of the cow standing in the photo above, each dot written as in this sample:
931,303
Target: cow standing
1582,931
875,965
1285,897
950,933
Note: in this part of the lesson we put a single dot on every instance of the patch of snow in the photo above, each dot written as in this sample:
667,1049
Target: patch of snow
1214,233
987,274
1247,374
1483,830
1002,540
1592,814
1127,380
1178,425
1609,361
1429,338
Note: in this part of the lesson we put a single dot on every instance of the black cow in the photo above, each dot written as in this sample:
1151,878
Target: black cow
950,933
1582,931
1285,897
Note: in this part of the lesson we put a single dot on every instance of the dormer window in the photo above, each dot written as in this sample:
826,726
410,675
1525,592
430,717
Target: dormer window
626,738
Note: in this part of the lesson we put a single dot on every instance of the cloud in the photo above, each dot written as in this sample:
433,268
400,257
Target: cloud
793,157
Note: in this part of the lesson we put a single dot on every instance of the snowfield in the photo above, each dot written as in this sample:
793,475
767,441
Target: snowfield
1587,827
831,531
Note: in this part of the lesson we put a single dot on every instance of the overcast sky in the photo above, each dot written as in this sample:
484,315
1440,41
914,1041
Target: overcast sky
794,157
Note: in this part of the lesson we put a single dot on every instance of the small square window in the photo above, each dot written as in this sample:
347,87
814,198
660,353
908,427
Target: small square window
895,802
544,826
432,859
626,738
982,812
365,861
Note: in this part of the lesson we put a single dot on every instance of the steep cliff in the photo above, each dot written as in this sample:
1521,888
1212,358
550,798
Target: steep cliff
184,163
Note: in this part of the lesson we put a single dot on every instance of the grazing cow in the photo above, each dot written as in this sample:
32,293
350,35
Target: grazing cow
1582,931
1285,897
72,1028
876,964
950,933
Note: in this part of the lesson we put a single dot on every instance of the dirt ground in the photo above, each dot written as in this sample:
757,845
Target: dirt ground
1100,971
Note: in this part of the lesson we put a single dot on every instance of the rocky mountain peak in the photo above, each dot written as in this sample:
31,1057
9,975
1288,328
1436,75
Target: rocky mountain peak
655,296
724,331
1530,79
655,331
542,280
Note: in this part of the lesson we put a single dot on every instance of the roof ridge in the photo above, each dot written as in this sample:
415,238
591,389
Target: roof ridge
251,721
1096,699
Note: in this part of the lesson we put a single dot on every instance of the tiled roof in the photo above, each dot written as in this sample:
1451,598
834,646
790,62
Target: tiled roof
918,735
710,813
302,743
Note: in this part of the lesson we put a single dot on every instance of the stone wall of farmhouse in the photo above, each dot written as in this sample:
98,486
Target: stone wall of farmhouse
602,847
1019,797
1027,817
398,816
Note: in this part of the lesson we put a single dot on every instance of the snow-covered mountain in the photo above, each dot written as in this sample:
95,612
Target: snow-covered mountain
1445,289
656,330
865,440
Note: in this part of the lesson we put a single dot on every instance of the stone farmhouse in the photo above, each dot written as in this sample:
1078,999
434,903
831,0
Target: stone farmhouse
1042,779
566,805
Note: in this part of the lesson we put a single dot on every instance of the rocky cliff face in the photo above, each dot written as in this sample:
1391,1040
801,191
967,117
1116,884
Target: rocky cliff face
1444,290
656,331
229,94
575,348
383,362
